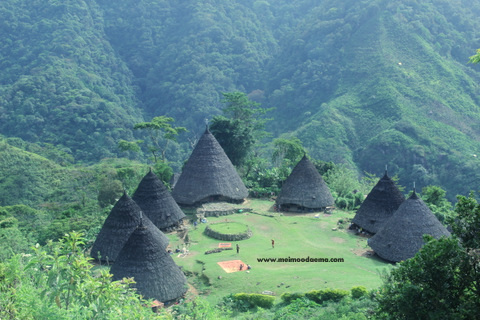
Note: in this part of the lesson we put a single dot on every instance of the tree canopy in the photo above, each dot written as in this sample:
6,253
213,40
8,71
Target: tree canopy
241,128
161,132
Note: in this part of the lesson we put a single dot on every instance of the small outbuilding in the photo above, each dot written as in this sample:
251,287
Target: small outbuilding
155,273
304,189
402,235
208,176
379,205
157,203
121,222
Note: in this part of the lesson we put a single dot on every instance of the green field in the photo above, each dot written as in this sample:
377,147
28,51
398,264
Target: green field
296,236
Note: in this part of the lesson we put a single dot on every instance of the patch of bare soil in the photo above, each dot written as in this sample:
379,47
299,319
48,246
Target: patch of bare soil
337,240
192,293
301,214
368,253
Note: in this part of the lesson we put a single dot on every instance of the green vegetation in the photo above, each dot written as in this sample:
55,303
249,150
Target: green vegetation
363,83
441,281
356,85
320,296
475,58
295,237
161,133
436,283
42,200
247,301
56,282
242,129
435,198
229,227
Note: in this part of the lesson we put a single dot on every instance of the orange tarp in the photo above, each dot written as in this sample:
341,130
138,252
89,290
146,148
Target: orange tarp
232,265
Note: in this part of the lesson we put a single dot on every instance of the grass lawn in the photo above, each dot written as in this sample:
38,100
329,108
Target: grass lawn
229,227
296,236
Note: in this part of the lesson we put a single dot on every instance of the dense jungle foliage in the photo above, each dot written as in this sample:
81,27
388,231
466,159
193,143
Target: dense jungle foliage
365,83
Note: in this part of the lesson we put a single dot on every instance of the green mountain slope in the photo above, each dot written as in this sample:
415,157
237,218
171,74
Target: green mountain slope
30,175
185,54
61,81
368,82
401,98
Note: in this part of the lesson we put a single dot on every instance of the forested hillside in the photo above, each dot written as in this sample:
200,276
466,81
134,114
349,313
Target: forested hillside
366,83
61,80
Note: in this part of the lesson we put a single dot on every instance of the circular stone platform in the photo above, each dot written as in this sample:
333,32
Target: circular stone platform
228,231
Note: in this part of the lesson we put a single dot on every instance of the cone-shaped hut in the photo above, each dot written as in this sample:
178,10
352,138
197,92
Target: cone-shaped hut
117,228
155,273
305,188
157,203
402,235
208,175
380,204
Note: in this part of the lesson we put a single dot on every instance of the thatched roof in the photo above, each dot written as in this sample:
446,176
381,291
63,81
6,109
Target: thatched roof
157,203
305,187
119,225
402,235
379,206
153,269
208,173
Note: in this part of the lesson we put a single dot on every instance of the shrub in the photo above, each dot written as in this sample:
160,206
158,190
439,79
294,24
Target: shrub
358,198
358,292
320,296
341,203
252,300
288,297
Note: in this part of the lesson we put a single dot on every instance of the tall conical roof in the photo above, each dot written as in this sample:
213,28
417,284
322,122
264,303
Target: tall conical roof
380,204
157,203
402,235
153,269
305,187
124,217
207,173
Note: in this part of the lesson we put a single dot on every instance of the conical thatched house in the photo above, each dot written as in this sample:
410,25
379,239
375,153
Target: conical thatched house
153,269
380,204
117,228
157,203
402,235
208,176
304,189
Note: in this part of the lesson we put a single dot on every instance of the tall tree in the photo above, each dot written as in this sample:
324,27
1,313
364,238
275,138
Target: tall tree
161,132
287,149
235,138
242,126
442,281
435,284
466,223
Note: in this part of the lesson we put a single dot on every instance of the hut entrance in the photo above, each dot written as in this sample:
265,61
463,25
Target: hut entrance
289,207
218,198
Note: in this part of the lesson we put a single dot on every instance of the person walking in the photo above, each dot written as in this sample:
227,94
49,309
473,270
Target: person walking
238,248
273,244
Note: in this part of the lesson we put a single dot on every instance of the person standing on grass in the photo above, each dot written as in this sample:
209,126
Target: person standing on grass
273,244
238,248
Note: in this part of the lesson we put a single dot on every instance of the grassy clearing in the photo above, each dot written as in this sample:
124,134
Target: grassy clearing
229,227
295,237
